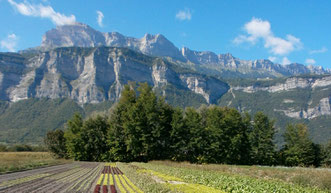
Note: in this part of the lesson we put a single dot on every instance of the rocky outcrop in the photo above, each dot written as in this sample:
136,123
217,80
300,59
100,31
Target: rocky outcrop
93,75
323,108
210,88
290,84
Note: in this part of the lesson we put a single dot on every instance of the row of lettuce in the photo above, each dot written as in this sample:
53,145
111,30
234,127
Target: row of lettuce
143,127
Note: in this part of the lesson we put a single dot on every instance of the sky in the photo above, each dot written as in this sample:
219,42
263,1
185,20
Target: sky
283,31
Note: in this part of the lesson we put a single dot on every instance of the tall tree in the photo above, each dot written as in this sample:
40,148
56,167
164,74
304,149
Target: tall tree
299,149
237,132
179,136
261,139
149,125
197,142
218,142
118,133
86,140
94,138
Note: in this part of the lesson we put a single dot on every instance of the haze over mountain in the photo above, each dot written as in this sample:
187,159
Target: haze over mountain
76,66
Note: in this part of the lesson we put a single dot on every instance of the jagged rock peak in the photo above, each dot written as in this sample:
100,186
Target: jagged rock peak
82,35
77,34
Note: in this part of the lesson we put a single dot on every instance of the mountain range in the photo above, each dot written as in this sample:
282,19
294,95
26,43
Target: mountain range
225,65
78,67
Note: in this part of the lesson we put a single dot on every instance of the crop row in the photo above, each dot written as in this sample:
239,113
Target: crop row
113,179
75,177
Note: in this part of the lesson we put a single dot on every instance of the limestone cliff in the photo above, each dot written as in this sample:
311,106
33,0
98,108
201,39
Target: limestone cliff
94,75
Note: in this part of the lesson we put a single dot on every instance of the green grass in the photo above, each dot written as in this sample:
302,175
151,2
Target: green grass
236,178
145,182
18,161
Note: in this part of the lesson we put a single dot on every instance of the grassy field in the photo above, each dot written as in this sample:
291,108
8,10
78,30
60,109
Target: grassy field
17,161
184,177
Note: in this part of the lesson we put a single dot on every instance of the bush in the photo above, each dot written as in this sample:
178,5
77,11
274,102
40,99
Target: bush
56,143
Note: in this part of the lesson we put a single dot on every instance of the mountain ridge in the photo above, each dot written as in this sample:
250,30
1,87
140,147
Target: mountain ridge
82,35
94,75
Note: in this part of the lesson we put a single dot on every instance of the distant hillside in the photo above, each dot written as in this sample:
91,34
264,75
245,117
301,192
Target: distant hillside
304,99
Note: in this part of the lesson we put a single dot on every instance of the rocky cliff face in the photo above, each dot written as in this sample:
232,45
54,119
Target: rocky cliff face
296,97
93,75
290,84
323,108
81,35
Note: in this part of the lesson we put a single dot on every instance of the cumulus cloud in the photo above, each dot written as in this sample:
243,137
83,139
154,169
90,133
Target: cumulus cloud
285,61
185,14
100,18
322,50
258,29
43,12
9,43
310,61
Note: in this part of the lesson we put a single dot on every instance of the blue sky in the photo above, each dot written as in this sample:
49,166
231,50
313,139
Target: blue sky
283,30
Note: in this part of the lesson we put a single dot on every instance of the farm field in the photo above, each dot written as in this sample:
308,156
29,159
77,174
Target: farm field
18,161
162,176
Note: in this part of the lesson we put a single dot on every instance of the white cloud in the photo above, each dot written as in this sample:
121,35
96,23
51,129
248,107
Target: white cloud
286,61
322,50
310,61
43,12
272,58
9,43
100,18
185,14
258,29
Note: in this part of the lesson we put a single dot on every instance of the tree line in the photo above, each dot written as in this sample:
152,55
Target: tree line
22,147
143,127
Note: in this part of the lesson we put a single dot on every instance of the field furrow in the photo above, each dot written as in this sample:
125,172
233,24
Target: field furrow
93,177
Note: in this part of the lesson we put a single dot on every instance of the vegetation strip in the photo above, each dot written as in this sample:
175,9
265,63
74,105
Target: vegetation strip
225,182
178,184
119,184
81,180
112,177
113,184
131,184
87,184
98,185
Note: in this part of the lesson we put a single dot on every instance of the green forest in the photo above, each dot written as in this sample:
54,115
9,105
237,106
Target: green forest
143,127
